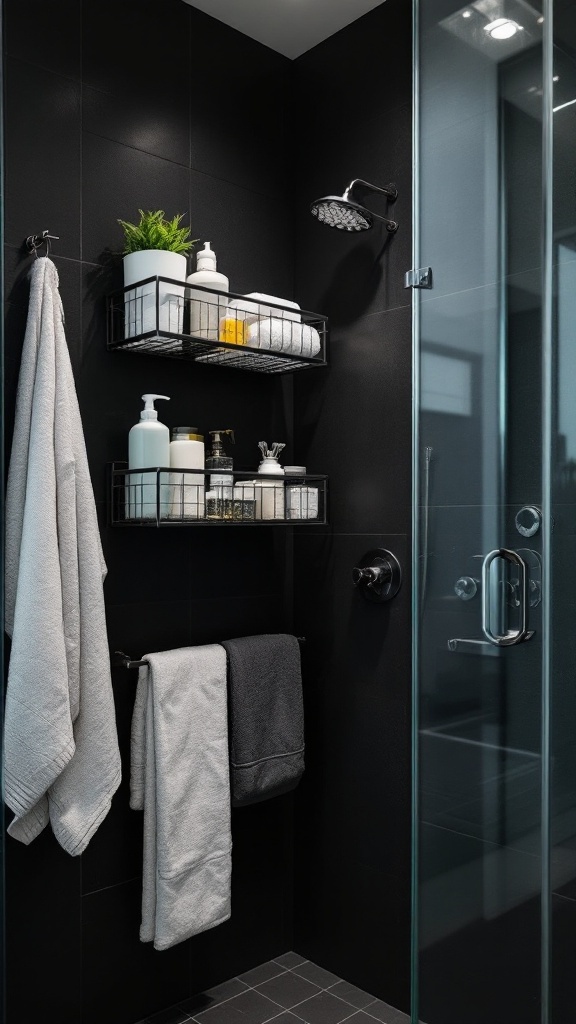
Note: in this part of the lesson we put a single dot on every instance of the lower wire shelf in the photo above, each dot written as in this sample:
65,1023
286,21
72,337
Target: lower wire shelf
159,497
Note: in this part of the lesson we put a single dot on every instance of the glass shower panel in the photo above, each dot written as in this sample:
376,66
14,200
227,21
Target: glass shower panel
563,509
478,690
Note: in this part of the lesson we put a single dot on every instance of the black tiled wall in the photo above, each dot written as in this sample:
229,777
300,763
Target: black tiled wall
112,107
150,103
353,871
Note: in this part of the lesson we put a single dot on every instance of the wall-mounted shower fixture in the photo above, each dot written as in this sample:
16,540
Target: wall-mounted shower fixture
347,212
378,575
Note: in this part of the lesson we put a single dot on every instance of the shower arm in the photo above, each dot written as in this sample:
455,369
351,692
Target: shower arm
391,192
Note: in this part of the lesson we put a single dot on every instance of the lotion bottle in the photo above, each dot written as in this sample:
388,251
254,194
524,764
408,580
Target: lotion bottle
148,446
206,310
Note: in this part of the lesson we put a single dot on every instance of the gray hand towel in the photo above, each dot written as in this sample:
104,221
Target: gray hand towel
62,762
266,716
180,777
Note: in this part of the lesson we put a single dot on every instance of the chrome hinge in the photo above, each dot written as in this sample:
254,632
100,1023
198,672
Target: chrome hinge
421,278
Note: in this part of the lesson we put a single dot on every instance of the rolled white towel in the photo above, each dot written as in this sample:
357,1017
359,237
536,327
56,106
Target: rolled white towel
262,300
285,336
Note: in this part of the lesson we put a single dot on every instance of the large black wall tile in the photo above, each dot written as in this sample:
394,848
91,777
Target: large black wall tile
125,979
349,275
43,919
136,91
355,423
250,233
118,181
42,161
239,120
359,72
46,34
354,802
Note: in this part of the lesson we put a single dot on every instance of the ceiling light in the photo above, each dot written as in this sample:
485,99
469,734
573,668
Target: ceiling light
570,103
540,20
502,28
466,14
556,78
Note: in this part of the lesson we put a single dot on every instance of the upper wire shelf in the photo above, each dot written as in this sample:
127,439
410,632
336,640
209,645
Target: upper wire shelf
160,316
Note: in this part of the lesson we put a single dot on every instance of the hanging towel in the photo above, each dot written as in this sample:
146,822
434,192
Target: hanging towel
62,762
266,716
181,778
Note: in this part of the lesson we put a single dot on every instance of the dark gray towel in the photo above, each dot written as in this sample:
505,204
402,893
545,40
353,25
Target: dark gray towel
266,716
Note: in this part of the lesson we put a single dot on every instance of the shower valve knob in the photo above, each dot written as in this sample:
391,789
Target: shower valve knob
466,587
378,575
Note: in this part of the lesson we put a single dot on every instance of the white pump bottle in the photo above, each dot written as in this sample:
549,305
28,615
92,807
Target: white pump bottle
148,446
206,309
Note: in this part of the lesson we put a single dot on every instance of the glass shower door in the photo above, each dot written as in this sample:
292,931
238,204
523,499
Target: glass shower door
478,652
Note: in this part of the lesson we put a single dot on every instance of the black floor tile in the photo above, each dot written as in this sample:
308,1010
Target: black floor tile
290,960
382,1012
317,975
353,995
258,975
213,997
248,1008
288,989
173,1015
324,1009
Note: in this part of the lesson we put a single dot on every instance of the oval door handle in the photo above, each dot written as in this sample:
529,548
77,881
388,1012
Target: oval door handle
512,636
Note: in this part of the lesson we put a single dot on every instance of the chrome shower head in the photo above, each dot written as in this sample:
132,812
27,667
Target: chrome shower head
337,212
344,213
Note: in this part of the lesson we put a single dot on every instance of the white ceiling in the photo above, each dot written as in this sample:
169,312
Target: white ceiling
289,26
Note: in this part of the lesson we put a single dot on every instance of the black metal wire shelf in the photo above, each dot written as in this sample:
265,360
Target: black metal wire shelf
159,496
154,317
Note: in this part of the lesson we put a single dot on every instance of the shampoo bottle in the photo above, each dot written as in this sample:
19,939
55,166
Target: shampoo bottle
207,309
148,446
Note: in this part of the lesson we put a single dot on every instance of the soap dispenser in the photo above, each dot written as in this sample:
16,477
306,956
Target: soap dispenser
148,446
219,498
206,309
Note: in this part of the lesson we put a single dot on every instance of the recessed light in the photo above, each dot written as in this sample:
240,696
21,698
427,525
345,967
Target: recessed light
540,20
556,78
466,14
502,28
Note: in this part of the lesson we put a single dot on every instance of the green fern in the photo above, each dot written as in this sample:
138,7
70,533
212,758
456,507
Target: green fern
155,232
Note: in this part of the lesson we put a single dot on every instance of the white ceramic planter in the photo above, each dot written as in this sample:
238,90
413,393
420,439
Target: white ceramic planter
140,303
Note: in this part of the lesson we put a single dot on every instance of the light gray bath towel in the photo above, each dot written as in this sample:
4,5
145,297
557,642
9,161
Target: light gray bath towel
62,761
180,777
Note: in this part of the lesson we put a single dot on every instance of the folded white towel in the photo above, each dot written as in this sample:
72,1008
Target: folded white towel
62,761
180,777
285,336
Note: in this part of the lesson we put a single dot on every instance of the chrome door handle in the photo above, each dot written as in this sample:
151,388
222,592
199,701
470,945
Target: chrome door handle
512,636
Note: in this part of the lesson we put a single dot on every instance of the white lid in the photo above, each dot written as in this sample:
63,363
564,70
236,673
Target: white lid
206,258
149,412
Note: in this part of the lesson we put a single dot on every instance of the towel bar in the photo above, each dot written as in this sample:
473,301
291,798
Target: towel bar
121,660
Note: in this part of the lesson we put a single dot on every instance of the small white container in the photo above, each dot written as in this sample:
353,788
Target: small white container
301,499
187,490
270,502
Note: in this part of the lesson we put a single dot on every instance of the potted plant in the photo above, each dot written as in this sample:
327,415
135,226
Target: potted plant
155,247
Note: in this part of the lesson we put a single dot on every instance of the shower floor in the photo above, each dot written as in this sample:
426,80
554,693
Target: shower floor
288,990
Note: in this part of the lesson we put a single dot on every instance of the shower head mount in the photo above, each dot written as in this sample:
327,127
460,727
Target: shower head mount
347,212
